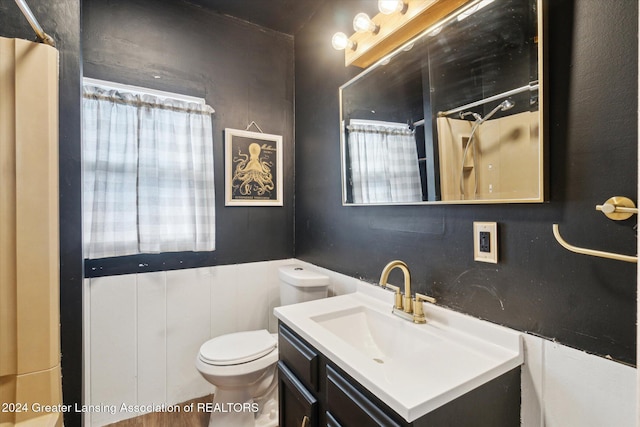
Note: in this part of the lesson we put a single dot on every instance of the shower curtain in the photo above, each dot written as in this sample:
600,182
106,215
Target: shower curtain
384,162
29,240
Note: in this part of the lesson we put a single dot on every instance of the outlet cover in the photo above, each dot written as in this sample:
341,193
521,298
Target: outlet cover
485,242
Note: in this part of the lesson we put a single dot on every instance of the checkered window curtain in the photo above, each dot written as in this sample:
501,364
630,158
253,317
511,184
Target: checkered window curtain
384,162
148,174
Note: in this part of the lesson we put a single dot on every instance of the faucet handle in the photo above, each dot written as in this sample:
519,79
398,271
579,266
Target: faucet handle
397,295
418,311
421,297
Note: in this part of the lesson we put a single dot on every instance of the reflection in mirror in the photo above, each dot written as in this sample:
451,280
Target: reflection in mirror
454,116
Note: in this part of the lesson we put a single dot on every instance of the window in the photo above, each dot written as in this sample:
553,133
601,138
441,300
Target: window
148,172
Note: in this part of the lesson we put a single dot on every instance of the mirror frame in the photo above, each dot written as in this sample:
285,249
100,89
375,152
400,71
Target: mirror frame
542,133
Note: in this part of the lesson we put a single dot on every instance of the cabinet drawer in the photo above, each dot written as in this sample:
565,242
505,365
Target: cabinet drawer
298,407
351,408
299,357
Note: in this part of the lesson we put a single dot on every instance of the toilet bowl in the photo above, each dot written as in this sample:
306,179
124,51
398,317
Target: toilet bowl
242,365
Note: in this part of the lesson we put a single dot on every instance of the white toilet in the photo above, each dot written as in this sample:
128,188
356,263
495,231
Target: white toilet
242,365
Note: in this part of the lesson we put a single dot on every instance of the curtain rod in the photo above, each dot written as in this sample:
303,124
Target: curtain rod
42,36
530,87
143,90
188,104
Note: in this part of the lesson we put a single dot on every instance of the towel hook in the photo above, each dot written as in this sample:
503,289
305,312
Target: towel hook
618,208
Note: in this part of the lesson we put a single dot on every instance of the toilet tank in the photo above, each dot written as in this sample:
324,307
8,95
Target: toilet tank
298,284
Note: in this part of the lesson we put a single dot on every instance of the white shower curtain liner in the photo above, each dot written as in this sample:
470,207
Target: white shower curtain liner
148,174
384,162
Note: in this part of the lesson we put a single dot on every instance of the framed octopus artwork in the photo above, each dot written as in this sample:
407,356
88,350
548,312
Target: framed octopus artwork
253,168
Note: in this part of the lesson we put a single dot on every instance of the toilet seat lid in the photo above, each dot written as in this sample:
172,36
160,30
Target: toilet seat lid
236,348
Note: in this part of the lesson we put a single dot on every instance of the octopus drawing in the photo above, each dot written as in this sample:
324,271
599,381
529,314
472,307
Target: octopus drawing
252,174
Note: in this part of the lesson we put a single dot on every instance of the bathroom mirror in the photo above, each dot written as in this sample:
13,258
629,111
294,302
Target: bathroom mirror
453,116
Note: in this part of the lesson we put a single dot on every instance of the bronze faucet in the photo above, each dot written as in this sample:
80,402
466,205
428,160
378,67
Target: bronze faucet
404,304
404,300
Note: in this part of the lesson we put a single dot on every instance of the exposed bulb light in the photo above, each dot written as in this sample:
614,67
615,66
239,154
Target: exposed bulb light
340,41
474,9
435,31
362,24
387,7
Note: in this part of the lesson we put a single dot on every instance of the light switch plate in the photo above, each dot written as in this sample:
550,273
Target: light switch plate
485,242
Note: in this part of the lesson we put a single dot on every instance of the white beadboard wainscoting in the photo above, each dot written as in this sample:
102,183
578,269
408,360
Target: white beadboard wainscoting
143,332
565,387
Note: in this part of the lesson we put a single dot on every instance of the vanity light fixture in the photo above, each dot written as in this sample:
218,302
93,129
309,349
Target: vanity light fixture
341,41
377,37
387,7
363,24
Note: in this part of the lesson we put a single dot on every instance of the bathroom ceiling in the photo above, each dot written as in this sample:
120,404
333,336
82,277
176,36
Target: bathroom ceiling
285,16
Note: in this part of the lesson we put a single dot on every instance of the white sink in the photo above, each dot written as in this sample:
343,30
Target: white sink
412,368
366,330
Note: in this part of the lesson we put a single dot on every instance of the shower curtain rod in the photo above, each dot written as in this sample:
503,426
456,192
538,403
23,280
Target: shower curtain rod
530,87
42,36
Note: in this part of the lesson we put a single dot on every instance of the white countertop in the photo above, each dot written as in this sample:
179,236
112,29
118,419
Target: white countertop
412,368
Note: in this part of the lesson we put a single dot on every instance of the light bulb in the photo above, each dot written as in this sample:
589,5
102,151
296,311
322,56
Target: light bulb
340,41
474,9
362,23
388,7
435,31
408,47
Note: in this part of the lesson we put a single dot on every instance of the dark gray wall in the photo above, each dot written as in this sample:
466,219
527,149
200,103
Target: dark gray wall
583,302
244,72
61,20
591,103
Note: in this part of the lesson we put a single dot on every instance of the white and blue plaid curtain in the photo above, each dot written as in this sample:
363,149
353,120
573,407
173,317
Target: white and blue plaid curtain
384,162
148,174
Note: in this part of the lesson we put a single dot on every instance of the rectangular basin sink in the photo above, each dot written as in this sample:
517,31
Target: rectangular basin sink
412,368
378,337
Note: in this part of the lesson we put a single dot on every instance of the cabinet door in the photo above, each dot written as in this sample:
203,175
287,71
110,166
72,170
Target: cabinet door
300,358
298,407
331,421
348,407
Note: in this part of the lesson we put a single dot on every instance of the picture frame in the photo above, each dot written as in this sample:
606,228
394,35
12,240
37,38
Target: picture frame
253,168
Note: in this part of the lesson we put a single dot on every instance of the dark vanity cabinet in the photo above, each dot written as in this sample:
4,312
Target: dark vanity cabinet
314,392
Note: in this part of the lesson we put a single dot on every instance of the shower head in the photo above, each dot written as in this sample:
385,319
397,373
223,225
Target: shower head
503,106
